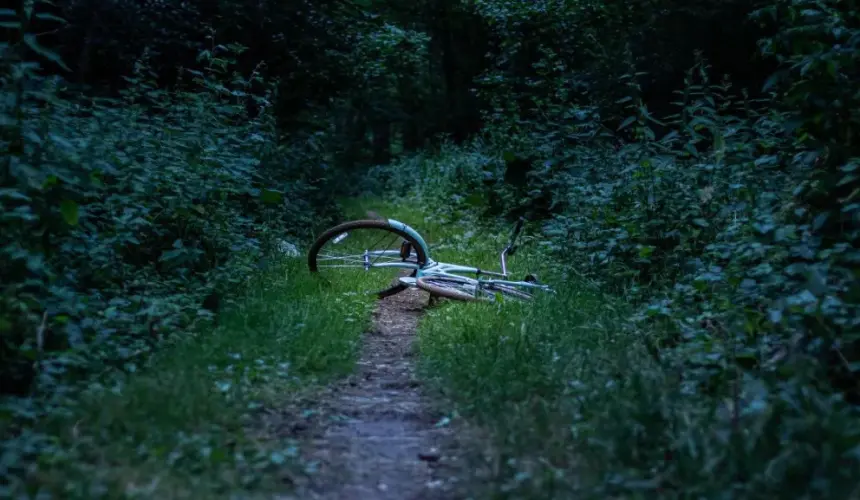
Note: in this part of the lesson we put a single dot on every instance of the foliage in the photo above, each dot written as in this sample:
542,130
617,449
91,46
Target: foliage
554,61
729,222
387,70
345,70
186,422
576,407
723,209
121,215
720,225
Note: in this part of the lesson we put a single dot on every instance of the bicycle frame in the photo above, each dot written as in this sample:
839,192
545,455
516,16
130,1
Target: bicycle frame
434,268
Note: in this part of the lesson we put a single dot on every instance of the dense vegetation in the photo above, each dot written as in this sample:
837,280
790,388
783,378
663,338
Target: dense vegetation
697,161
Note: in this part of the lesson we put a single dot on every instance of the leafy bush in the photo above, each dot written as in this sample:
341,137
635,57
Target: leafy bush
576,407
121,215
723,223
191,414
731,226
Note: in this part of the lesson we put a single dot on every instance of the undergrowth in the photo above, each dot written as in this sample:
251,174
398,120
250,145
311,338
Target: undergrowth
129,217
606,390
183,425
577,405
727,229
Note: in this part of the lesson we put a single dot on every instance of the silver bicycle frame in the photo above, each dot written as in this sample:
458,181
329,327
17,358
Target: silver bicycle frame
433,268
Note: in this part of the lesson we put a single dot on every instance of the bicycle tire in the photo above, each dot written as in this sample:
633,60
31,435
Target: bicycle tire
335,231
427,284
435,285
509,290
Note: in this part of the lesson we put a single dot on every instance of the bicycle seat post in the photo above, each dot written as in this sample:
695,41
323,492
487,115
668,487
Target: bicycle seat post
511,248
504,267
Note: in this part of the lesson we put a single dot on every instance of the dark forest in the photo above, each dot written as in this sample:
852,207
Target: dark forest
690,176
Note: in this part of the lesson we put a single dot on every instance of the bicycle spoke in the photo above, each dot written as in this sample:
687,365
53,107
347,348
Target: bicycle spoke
384,257
462,288
358,259
366,254
394,240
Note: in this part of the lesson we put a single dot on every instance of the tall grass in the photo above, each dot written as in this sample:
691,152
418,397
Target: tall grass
578,406
515,370
591,395
182,427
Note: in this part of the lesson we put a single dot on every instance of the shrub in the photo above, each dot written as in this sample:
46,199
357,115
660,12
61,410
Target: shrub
121,215
731,228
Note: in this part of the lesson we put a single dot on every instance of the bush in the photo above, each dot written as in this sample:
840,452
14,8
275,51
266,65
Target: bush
731,227
718,226
120,216
576,407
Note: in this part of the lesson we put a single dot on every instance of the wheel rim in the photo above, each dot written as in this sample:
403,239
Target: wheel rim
509,291
467,289
448,287
355,256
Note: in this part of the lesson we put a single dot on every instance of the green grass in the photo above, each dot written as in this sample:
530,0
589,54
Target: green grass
528,374
540,379
575,405
564,389
183,427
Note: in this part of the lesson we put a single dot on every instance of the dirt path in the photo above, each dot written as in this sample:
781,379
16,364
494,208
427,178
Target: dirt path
383,442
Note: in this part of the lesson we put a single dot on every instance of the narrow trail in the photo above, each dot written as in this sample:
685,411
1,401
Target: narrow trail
383,442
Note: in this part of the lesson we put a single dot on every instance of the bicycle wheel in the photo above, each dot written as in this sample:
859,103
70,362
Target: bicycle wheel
367,256
466,289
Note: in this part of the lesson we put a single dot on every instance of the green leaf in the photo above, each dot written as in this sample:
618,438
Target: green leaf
278,458
69,210
847,179
30,41
819,221
13,194
771,82
626,123
475,199
271,197
169,256
50,17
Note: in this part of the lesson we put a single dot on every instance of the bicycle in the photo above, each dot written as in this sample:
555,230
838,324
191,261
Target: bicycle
409,254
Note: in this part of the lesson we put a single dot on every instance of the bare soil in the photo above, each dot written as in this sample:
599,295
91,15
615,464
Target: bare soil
376,436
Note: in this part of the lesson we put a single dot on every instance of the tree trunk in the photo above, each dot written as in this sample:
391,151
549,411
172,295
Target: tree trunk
412,135
381,142
357,134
